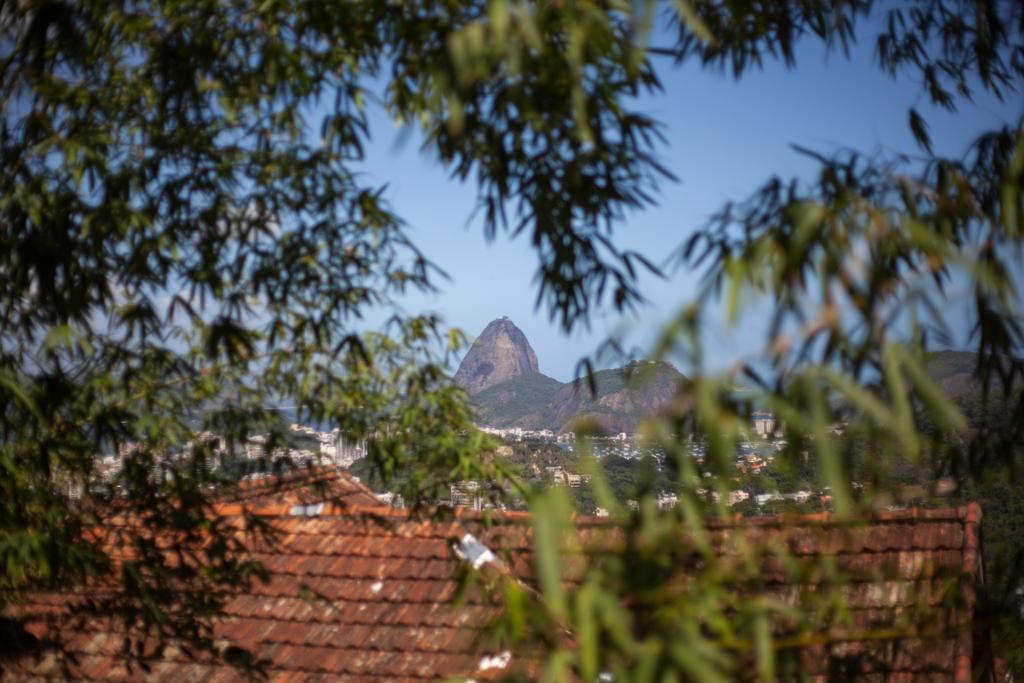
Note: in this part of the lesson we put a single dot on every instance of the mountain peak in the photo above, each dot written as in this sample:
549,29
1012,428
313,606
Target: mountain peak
499,354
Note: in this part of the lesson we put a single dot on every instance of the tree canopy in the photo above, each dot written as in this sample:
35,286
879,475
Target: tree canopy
185,243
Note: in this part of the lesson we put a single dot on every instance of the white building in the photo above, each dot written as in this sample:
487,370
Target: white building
466,494
337,450
557,474
765,424
798,497
391,498
254,447
737,497
576,480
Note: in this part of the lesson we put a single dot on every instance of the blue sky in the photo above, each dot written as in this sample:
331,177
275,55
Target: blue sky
724,138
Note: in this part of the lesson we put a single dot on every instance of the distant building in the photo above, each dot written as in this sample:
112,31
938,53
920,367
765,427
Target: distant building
765,424
557,474
338,450
798,497
254,447
576,480
559,477
733,497
395,500
750,463
667,501
737,497
466,494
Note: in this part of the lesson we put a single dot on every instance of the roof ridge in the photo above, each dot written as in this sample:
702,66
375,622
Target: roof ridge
331,509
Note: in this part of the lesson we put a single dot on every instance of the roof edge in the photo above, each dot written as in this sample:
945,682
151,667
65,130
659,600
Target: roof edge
969,514
963,661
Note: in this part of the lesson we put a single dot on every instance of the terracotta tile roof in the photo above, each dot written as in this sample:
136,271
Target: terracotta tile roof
369,593
308,486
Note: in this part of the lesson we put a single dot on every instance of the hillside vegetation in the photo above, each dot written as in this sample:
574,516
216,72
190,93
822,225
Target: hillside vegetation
519,402
623,397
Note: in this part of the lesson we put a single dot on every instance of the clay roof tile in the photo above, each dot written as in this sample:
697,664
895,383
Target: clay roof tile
363,591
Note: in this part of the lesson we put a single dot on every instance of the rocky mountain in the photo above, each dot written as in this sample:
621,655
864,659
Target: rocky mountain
501,374
499,354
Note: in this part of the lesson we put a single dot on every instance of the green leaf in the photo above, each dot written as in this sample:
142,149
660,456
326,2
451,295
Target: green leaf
587,632
763,647
551,518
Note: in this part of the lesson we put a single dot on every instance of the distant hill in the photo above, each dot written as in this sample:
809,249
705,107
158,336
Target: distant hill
501,374
507,390
954,373
624,396
520,402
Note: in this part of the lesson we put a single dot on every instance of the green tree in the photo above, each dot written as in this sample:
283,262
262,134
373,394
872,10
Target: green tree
184,242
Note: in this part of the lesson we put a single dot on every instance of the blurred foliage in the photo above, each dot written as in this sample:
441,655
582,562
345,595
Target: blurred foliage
855,272
184,246
185,243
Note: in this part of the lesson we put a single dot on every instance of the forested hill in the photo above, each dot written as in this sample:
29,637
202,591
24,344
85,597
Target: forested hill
954,371
624,396
532,400
519,402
